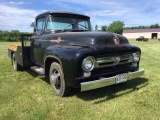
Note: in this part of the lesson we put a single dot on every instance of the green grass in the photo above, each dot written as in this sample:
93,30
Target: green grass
26,95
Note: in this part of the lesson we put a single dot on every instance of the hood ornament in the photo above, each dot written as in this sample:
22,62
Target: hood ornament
116,39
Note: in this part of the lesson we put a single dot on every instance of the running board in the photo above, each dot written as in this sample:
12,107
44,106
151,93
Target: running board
38,70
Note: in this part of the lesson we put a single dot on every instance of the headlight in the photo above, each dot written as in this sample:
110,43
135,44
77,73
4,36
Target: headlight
136,57
88,64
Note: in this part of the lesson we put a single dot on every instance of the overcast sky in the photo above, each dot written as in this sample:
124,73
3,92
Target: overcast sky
18,14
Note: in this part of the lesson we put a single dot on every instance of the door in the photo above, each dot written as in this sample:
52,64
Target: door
37,50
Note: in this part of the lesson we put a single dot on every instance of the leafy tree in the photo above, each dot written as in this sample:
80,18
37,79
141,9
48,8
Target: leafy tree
104,28
6,36
155,26
1,35
116,27
15,35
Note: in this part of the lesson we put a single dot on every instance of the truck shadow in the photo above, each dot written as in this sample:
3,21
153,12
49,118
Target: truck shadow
110,92
103,94
34,74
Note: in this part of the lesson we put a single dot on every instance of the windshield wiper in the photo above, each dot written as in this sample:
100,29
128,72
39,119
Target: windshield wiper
67,27
83,26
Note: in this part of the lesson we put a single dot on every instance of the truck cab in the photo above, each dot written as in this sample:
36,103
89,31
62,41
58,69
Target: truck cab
54,23
64,47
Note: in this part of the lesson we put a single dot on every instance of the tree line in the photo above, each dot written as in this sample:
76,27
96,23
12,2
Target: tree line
144,27
115,27
11,36
119,26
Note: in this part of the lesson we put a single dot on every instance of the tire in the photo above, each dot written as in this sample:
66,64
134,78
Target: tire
57,80
16,66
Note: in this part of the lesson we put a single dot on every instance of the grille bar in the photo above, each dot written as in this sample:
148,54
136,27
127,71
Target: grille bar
113,60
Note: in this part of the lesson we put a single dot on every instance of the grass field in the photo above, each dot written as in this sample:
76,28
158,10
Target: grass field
26,95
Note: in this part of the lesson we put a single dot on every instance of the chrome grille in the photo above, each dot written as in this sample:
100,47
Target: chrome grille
113,60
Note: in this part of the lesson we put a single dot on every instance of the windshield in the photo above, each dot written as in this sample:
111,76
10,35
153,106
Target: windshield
67,23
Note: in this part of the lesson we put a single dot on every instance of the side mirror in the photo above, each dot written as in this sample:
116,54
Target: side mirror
32,24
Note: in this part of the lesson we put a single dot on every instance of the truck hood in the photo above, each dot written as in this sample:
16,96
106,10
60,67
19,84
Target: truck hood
98,41
87,38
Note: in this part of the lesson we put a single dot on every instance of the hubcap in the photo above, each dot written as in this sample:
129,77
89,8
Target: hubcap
55,79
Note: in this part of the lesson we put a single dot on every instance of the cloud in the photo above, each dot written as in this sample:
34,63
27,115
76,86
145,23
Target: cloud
99,22
109,3
108,12
18,15
12,18
15,3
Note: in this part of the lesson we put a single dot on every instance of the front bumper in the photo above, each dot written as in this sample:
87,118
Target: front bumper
102,82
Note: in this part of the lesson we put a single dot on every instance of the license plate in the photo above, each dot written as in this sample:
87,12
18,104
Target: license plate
121,78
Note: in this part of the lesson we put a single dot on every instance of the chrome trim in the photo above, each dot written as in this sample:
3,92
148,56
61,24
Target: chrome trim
102,82
138,56
112,60
104,59
93,62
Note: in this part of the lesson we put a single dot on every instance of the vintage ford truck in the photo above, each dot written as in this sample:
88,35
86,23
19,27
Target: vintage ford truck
64,47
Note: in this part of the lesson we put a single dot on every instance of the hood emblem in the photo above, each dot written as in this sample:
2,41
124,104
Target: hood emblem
116,60
58,40
116,39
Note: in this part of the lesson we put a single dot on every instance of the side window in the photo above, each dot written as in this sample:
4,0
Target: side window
40,24
83,25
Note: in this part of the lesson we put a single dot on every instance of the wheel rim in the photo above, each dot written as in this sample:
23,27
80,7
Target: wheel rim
55,79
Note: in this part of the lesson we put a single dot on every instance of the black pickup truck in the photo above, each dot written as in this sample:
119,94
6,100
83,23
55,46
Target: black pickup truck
64,46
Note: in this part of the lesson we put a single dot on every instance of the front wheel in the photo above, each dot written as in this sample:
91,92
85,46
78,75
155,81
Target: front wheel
57,80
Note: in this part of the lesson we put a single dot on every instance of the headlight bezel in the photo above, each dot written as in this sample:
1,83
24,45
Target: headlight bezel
136,57
84,63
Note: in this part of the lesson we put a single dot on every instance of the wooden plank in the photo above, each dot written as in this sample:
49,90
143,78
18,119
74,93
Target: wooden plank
13,47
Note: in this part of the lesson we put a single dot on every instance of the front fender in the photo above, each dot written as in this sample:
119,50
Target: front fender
70,58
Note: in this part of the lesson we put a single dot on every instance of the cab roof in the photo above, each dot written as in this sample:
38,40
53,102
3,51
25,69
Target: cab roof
61,12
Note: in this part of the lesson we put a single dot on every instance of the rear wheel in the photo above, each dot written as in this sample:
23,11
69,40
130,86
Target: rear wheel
16,66
57,80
